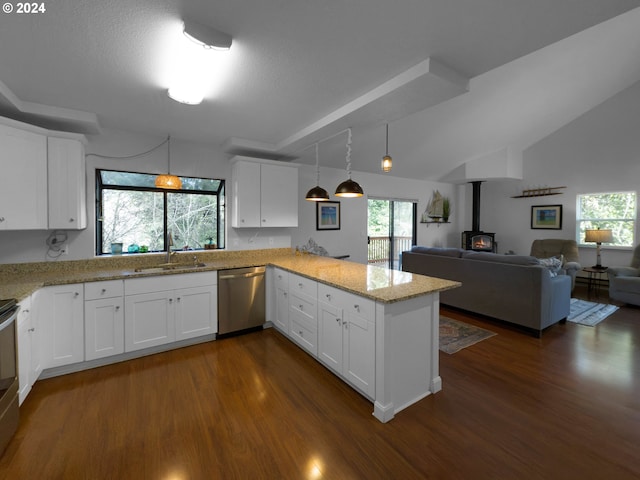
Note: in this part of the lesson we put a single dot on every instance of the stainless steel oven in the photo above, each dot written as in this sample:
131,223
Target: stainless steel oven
8,372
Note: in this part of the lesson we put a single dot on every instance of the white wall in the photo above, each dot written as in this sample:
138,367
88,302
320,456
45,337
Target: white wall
351,239
597,152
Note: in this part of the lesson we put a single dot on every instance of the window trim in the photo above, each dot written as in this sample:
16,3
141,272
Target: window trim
579,219
220,205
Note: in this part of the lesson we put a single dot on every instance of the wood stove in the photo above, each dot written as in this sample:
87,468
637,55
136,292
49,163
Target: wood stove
475,239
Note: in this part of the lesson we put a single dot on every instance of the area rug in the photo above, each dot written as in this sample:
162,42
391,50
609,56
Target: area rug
589,313
456,335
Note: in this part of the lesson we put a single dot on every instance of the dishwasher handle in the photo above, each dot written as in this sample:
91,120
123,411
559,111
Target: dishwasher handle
240,275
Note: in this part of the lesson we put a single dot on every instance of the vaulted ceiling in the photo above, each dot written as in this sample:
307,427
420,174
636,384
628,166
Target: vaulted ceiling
456,79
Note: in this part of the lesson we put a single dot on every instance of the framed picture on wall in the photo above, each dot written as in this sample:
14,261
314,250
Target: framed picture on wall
328,216
546,217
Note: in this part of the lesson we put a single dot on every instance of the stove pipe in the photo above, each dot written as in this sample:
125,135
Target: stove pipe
475,212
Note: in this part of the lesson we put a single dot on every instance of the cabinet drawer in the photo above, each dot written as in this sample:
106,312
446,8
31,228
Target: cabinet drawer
349,302
303,285
106,289
303,305
281,278
304,336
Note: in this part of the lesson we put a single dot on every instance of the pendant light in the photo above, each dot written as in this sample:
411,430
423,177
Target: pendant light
349,188
317,193
168,181
387,161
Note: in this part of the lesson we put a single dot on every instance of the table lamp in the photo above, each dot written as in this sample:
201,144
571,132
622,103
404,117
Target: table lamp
598,237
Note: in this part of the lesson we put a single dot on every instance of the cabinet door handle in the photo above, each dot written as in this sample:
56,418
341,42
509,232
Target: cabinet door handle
71,220
300,285
338,320
284,294
76,294
26,310
328,296
357,307
31,330
104,290
301,307
171,300
301,334
1,219
263,220
117,307
179,298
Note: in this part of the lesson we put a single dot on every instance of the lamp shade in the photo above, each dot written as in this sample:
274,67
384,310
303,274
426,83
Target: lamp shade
317,194
169,182
349,189
387,163
598,236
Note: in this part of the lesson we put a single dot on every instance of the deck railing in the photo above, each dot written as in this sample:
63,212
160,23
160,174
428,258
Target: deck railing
379,249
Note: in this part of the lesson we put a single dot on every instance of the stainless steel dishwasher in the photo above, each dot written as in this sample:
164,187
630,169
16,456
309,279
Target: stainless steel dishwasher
241,299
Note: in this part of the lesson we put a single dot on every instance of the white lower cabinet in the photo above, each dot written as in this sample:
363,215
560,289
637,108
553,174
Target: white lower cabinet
103,319
303,312
196,310
335,326
61,316
280,293
346,336
29,347
157,313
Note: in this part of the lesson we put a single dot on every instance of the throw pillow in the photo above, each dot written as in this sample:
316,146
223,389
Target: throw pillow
552,264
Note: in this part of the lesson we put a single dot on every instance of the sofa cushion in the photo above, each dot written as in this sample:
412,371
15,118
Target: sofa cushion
553,264
442,251
496,257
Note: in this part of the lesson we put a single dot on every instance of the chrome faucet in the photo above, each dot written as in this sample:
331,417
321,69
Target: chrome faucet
169,242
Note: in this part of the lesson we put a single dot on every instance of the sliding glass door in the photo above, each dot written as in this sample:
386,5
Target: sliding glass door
391,230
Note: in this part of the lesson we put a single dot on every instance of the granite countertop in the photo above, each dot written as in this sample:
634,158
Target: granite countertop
380,284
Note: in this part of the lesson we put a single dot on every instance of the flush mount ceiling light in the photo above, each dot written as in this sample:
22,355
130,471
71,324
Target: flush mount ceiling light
317,193
185,94
168,181
206,36
349,188
387,161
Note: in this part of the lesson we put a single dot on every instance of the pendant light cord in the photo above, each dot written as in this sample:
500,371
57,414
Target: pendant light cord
317,166
169,154
387,144
349,152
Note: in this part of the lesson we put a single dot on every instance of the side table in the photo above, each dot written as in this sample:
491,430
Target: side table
593,282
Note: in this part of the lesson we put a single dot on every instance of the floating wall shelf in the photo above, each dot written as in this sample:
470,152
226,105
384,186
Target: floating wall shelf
539,192
437,223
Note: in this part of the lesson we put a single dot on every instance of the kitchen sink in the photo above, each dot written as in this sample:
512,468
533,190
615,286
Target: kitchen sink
163,267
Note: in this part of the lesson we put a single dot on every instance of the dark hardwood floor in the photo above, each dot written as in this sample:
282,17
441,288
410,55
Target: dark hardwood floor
564,406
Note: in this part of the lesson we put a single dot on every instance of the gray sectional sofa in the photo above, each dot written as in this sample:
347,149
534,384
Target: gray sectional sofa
513,288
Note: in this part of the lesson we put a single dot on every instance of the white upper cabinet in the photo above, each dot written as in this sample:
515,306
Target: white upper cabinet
66,180
264,193
44,176
23,196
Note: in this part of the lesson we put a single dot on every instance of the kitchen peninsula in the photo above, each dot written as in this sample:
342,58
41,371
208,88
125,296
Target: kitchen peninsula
398,312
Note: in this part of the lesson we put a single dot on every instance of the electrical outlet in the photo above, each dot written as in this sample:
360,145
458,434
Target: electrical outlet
64,250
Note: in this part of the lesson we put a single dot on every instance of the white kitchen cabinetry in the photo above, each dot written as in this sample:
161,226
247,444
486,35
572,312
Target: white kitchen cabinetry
157,313
303,313
66,181
280,292
61,316
29,349
346,338
104,319
23,196
196,311
264,194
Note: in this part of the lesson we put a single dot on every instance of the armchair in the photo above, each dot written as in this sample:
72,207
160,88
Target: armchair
551,247
624,282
